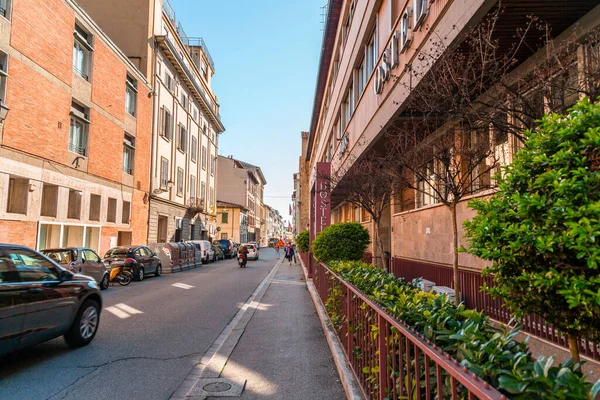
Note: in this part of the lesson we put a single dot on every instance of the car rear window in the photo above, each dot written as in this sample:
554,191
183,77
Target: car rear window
61,257
117,252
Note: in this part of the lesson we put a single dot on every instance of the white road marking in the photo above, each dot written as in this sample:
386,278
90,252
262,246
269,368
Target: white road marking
123,310
127,309
182,286
115,311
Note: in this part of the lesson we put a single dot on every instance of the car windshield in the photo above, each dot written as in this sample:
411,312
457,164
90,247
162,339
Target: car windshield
117,252
60,256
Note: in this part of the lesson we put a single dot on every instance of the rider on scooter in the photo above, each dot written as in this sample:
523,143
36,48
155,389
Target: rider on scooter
243,251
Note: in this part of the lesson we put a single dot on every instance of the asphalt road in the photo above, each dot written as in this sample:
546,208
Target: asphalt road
144,347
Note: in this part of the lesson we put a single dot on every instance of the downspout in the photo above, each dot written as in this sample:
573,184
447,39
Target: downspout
154,123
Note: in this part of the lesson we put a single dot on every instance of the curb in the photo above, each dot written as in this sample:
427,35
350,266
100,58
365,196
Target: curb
351,386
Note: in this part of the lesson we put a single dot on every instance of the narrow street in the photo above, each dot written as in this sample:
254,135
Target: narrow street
150,336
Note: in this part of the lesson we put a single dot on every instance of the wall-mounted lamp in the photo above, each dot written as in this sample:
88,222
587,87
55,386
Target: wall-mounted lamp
170,185
3,111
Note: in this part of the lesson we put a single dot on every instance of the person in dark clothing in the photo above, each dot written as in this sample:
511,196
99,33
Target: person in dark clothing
289,253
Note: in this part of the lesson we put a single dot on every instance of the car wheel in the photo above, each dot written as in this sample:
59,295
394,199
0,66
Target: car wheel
140,276
158,270
85,326
104,282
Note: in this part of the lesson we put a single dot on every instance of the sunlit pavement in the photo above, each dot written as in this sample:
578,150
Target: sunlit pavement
152,334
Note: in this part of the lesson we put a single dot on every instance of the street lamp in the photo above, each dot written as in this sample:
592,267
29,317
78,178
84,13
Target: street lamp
3,111
170,185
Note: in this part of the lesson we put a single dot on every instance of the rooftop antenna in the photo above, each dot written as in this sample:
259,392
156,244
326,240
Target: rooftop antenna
323,16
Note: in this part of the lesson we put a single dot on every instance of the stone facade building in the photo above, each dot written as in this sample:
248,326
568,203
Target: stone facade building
243,183
75,146
186,119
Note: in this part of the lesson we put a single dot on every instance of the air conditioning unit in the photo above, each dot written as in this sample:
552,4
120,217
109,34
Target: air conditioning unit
423,284
444,290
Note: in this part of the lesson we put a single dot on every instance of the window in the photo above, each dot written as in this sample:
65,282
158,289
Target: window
128,154
78,134
126,212
204,68
224,236
425,186
192,188
204,157
420,11
360,75
89,255
212,165
3,73
194,148
179,181
18,191
95,201
164,173
82,46
195,115
167,124
225,218
32,267
212,196
501,149
479,143
169,82
182,140
203,191
111,212
370,57
49,200
405,31
131,95
184,101
74,206
5,8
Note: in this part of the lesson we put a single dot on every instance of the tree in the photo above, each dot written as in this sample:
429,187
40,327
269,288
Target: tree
542,228
443,167
365,184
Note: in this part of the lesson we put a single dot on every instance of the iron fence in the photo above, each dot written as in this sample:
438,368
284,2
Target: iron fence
472,296
388,358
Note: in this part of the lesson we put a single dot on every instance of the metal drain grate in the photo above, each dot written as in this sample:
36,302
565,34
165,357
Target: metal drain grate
217,387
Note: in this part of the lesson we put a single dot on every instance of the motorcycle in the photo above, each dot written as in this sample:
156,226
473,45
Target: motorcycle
121,274
242,261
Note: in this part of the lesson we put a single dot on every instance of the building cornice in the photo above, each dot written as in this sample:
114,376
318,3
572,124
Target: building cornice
333,16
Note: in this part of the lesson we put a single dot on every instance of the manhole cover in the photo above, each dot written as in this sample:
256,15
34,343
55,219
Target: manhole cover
217,387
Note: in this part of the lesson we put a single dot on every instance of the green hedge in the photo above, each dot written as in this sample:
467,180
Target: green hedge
341,242
302,241
491,353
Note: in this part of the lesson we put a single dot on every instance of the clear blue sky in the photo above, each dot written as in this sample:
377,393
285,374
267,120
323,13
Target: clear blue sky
266,54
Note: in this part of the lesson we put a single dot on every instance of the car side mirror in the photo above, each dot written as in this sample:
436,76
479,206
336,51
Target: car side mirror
64,275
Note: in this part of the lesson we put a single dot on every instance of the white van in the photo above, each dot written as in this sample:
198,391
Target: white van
206,248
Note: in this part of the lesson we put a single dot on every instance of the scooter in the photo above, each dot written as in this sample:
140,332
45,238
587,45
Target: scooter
120,274
242,261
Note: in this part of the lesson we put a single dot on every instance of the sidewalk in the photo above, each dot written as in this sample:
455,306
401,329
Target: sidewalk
282,352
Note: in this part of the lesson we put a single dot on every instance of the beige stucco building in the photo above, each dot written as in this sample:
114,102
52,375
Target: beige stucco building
186,119
243,183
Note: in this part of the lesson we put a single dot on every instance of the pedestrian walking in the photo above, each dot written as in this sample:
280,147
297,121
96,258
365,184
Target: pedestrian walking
289,253
294,253
278,246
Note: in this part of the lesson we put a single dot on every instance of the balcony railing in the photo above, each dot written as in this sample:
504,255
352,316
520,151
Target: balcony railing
471,294
388,358
169,11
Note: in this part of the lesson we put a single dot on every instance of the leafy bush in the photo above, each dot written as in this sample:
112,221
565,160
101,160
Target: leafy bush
341,242
542,229
491,353
302,241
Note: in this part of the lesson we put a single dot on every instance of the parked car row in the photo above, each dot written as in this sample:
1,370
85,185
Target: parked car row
56,292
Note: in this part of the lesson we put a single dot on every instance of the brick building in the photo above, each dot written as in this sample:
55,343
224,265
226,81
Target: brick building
75,146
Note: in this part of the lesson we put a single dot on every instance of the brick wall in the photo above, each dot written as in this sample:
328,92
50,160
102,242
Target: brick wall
43,31
108,82
38,121
19,232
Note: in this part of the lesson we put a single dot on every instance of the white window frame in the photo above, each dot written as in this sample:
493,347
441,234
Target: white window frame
182,135
420,11
194,150
82,52
6,7
180,183
167,130
164,173
3,75
131,95
79,117
128,154
193,189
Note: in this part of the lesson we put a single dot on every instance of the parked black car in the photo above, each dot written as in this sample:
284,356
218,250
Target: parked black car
80,260
227,246
141,259
40,300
